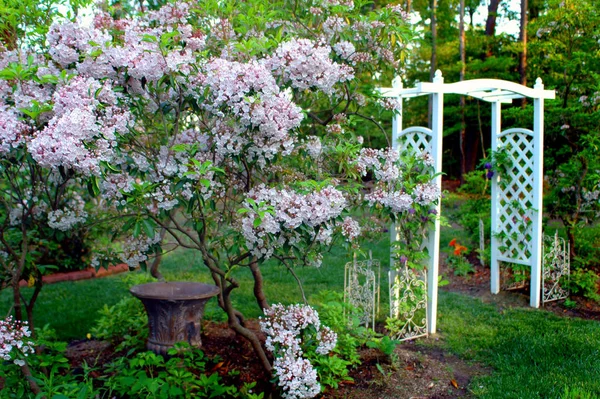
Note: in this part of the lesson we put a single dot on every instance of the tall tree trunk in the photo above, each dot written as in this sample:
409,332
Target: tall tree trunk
463,63
433,63
490,23
523,53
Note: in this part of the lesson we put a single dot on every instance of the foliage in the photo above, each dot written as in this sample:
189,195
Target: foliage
585,283
385,345
567,58
150,375
125,324
51,372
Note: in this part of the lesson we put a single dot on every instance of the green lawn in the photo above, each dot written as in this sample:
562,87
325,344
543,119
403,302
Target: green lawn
534,353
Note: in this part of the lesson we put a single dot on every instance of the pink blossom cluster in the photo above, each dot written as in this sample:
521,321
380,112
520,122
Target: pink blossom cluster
397,8
14,342
344,49
331,3
70,41
265,116
284,211
82,133
288,328
90,49
384,163
306,64
72,214
135,249
313,146
389,191
12,130
425,194
334,25
350,228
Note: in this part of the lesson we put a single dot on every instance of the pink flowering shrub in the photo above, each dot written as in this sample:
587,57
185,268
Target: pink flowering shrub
233,136
289,331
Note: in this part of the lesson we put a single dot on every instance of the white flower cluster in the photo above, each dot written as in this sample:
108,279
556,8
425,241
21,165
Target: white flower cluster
265,116
285,327
11,129
72,214
425,194
88,48
313,146
14,340
285,211
305,64
382,162
135,249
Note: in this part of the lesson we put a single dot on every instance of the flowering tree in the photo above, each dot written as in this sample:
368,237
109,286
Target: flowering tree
225,125
54,133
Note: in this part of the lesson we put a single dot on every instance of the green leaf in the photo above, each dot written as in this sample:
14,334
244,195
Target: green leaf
137,229
149,226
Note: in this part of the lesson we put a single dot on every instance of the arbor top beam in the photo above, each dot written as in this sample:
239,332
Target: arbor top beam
490,90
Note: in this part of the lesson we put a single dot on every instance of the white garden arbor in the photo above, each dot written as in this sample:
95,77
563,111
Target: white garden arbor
516,193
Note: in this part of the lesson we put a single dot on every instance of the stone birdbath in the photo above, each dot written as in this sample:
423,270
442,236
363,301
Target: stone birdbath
175,311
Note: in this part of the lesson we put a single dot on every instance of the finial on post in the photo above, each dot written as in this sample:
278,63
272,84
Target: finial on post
538,84
397,82
438,78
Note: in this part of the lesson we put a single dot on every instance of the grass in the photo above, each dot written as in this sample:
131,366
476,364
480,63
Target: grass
533,353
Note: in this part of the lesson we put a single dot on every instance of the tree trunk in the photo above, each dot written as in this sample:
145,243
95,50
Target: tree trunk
31,381
258,285
18,307
463,62
236,326
490,23
523,53
433,63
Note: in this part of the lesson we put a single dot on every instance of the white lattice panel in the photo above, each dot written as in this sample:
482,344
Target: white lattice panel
416,138
515,198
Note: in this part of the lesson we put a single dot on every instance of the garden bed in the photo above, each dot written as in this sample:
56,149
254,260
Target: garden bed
419,371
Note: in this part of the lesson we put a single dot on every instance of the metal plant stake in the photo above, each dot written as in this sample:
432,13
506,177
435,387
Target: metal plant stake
481,243
555,269
361,288
408,303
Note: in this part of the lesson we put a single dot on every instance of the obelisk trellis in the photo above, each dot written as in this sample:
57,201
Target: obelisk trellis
525,177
